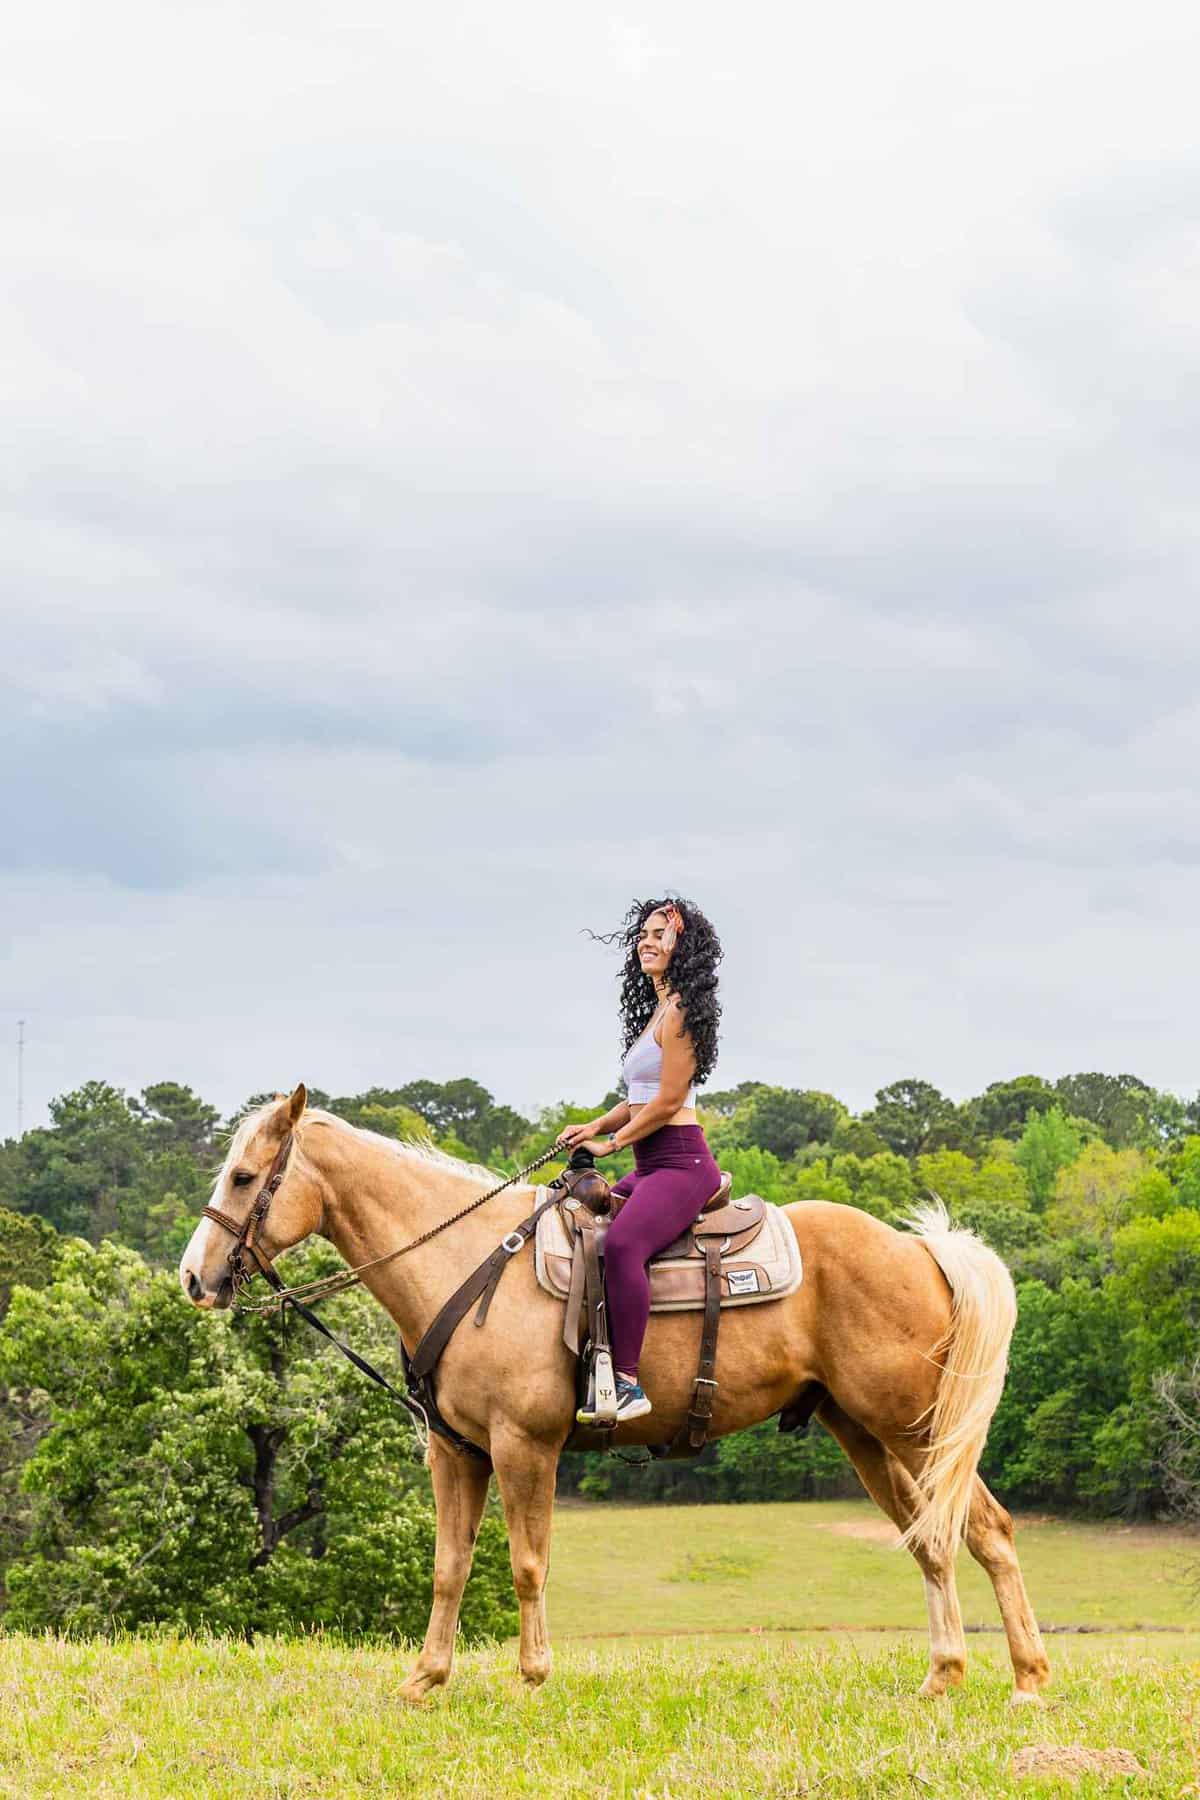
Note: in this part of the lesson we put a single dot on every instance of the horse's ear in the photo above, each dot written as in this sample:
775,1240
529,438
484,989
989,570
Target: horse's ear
297,1103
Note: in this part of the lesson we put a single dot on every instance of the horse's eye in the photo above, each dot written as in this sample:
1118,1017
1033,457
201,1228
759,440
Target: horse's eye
241,1179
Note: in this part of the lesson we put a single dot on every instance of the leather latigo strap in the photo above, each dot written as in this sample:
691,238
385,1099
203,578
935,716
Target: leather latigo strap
700,1416
597,1310
692,1435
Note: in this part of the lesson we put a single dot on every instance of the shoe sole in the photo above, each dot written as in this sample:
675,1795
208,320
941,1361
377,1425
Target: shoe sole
637,1410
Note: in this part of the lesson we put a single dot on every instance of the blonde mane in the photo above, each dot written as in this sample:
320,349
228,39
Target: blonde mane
422,1149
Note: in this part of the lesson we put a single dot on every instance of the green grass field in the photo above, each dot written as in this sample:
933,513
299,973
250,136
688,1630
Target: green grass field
741,1694
829,1563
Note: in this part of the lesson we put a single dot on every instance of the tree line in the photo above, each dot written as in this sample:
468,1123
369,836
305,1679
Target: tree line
238,1477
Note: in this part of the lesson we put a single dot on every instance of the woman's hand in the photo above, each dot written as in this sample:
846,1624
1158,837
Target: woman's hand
573,1137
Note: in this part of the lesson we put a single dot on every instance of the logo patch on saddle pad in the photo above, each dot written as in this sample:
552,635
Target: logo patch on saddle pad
742,1281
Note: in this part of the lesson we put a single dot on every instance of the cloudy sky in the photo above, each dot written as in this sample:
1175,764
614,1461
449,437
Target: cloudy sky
466,466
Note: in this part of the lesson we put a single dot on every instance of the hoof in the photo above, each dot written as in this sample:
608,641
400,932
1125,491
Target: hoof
1026,1697
938,1682
534,1676
420,1685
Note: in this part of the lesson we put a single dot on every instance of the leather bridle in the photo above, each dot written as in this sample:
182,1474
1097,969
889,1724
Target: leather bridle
246,1233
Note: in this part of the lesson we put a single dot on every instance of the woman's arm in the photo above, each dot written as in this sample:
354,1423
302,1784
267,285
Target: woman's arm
612,1121
678,1067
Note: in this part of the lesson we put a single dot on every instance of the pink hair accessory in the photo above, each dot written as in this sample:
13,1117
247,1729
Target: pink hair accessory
674,925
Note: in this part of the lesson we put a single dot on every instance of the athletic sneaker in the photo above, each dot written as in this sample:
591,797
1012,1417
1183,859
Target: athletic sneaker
631,1401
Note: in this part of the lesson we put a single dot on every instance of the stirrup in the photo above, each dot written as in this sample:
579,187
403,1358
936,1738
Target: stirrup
603,1395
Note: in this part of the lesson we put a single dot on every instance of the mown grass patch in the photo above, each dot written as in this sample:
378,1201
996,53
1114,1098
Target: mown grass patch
617,1568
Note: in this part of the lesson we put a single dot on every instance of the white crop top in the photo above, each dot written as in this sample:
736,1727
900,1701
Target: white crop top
642,1069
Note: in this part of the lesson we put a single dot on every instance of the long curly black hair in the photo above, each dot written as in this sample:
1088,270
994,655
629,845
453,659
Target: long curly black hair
691,973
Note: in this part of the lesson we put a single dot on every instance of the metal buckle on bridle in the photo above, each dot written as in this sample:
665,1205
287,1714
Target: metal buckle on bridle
512,1243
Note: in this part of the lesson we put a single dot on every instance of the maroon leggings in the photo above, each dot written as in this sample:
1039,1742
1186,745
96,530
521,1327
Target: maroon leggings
675,1175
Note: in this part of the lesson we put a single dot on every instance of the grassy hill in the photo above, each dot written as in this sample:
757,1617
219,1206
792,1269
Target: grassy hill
725,1708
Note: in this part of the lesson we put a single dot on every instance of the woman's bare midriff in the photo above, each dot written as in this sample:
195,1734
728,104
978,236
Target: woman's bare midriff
685,1116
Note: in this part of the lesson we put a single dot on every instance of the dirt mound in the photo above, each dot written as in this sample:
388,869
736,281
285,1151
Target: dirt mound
871,1531
1074,1760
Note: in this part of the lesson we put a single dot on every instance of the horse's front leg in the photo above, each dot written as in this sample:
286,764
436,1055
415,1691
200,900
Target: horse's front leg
525,1471
460,1485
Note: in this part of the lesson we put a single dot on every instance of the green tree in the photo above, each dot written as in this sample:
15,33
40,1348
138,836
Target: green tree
948,1175
371,1114
1066,1375
463,1109
29,1250
207,1473
881,1184
818,1182
156,1213
177,1119
1004,1108
73,1172
1120,1106
782,1120
1094,1194
725,1102
1169,1118
911,1116
991,1198
757,1172
855,1138
1157,1285
1183,1170
1049,1142
1156,1288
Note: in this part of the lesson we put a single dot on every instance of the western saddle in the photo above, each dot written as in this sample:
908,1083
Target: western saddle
587,1206
763,1262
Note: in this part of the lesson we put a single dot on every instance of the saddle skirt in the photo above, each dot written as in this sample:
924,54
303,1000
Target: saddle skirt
759,1259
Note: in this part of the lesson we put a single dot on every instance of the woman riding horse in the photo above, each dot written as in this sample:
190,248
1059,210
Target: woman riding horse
670,1011
897,1340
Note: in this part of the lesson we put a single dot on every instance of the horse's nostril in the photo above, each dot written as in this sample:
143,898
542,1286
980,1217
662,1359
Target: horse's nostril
195,1291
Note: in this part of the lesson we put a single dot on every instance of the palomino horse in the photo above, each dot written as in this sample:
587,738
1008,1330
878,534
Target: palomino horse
902,1336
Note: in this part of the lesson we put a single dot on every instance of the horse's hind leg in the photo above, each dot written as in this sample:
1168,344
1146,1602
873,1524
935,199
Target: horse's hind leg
460,1485
525,1471
990,1541
891,1487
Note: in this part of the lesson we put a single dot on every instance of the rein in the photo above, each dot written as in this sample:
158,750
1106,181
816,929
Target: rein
323,1286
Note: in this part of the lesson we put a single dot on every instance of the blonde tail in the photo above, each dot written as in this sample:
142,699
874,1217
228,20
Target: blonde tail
972,1379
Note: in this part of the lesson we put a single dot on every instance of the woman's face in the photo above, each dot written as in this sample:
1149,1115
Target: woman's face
653,958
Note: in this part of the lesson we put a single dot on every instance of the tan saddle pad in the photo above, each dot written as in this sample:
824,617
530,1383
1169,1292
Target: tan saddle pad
760,1259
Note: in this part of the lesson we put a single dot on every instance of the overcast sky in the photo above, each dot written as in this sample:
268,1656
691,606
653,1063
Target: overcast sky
466,466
